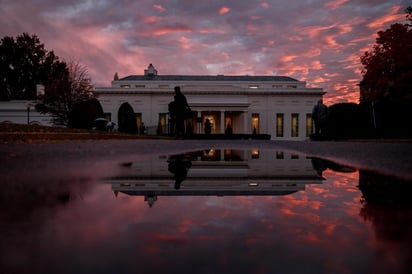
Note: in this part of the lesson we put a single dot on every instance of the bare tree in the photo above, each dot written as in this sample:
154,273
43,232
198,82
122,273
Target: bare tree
80,82
63,93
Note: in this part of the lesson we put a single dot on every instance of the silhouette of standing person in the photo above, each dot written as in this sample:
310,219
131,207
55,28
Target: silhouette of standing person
319,116
180,107
208,126
179,166
228,130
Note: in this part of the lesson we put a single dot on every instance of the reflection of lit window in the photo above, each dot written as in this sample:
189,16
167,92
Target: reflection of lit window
253,184
254,86
209,152
295,125
255,154
211,155
125,86
279,154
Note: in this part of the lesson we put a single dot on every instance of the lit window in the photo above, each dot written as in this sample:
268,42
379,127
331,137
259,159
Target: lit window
255,123
295,125
255,154
125,86
254,86
279,124
162,127
253,184
309,125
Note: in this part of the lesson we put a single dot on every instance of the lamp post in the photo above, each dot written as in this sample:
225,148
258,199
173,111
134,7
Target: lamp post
28,106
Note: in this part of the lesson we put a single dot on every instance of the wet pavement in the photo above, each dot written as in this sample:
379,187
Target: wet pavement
177,206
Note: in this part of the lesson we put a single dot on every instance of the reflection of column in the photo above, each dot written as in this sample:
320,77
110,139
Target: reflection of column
222,121
245,122
28,106
28,114
199,122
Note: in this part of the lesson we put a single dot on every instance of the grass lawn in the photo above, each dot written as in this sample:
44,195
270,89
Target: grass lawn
35,133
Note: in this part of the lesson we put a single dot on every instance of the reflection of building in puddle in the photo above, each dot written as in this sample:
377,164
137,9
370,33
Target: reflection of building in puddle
217,173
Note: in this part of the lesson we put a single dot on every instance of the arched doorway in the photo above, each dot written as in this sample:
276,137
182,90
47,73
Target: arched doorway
127,119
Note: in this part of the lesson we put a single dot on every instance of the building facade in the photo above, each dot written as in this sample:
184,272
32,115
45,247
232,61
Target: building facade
275,105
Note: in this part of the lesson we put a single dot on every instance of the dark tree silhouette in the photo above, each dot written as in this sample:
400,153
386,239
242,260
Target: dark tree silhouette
388,66
84,114
24,63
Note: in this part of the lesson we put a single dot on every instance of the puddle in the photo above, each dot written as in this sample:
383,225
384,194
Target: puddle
210,211
218,173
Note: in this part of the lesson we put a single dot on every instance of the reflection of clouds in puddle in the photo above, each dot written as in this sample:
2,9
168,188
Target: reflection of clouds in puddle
318,227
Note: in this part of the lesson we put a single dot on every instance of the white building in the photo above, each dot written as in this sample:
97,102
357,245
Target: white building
22,112
276,105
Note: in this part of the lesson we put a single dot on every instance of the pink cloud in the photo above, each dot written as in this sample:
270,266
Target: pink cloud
209,31
316,65
159,7
264,5
151,19
224,10
392,16
335,4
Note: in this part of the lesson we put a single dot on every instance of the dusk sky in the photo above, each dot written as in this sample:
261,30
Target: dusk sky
317,41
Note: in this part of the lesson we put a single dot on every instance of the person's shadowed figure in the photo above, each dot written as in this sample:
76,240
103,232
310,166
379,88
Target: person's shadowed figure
179,166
